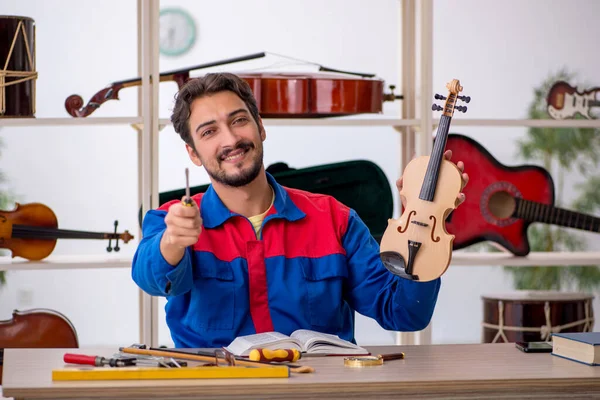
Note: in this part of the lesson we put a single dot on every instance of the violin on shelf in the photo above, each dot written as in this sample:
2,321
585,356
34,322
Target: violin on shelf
31,231
327,93
417,245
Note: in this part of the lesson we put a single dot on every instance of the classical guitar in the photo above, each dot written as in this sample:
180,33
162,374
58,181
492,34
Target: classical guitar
502,201
564,101
417,246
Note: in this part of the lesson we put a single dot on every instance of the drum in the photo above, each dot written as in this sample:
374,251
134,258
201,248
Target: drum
533,316
17,66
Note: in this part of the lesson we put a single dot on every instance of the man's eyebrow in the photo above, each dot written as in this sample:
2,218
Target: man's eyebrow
231,114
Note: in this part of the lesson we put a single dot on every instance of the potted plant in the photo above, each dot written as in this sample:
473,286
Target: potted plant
550,299
5,200
560,150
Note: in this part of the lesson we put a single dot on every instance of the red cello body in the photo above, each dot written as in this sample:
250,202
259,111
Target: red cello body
314,95
37,328
327,93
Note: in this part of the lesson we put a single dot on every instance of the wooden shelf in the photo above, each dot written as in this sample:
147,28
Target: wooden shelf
66,262
540,123
28,122
362,120
462,258
459,258
358,121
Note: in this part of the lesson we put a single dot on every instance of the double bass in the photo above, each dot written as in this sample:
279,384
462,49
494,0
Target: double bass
417,245
31,231
327,93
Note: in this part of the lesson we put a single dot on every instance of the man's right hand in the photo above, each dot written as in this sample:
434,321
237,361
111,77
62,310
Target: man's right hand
184,225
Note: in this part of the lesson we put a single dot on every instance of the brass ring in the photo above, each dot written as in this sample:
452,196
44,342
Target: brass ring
367,361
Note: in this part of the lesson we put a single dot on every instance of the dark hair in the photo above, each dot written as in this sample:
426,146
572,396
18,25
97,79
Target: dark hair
206,85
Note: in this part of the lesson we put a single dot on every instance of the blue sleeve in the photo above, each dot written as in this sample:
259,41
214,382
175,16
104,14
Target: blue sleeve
396,303
150,271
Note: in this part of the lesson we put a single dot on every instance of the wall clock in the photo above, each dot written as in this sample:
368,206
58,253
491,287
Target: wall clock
177,31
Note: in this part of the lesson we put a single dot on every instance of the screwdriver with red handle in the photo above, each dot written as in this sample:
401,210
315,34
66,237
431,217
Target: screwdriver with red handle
97,361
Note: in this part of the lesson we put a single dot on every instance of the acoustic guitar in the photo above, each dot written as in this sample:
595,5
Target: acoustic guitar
564,101
502,201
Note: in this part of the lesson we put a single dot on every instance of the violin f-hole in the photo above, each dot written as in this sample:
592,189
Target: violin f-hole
402,230
437,239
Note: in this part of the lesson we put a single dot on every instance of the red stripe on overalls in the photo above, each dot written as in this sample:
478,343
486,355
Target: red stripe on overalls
257,276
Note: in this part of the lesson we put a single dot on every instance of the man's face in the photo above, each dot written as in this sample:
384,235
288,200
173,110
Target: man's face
227,139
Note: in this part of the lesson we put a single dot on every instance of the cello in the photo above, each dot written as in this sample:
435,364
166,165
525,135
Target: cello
327,93
417,245
31,230
36,328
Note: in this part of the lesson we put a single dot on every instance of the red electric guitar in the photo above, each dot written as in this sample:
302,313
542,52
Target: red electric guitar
502,201
564,101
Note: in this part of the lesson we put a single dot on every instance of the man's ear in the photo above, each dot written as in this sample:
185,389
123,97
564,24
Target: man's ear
263,133
193,155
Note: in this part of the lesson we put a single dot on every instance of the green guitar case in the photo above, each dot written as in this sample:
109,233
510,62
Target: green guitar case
359,184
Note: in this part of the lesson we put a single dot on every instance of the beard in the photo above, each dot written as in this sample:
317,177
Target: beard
243,176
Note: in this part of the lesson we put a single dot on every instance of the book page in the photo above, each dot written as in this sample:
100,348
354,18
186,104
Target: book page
242,345
317,342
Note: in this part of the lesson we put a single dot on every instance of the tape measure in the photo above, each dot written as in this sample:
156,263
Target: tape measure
366,361
371,361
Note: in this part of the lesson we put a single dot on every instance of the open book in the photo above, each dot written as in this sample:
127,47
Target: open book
306,341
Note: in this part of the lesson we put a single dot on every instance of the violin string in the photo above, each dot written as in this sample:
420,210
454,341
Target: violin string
295,59
23,231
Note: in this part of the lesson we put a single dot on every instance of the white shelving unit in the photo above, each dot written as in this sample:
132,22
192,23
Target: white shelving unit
148,124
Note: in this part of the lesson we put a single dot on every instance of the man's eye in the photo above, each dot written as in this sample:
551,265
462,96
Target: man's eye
207,132
240,120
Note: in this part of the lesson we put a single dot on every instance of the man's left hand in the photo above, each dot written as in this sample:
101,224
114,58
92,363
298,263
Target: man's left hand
461,166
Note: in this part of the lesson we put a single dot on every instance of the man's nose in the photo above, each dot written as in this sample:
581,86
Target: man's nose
228,137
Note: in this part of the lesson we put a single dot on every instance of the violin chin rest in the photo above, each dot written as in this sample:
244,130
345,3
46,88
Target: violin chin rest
395,263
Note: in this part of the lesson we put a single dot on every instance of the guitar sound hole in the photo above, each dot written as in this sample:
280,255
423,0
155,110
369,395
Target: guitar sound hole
502,204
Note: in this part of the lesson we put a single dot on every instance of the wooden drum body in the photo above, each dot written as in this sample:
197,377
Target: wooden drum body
17,67
532,316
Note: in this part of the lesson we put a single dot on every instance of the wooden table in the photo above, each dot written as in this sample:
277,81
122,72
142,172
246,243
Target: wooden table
429,371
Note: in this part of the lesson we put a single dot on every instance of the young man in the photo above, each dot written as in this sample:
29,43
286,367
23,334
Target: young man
252,256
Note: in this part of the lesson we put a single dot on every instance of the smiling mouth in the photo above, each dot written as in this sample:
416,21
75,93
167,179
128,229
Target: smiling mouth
235,156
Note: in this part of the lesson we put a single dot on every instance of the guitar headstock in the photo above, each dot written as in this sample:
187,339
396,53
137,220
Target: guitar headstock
454,88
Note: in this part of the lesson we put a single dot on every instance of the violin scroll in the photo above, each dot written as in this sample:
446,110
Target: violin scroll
74,103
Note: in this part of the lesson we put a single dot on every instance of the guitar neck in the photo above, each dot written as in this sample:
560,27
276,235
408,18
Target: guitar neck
538,212
40,232
437,154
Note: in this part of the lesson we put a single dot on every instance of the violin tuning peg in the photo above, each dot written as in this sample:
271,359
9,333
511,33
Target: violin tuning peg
435,107
439,97
466,99
461,108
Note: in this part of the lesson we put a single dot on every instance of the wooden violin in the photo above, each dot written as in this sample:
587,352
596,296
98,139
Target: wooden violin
417,246
327,93
36,328
31,230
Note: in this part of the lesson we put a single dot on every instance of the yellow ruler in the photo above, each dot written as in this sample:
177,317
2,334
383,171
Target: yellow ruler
132,373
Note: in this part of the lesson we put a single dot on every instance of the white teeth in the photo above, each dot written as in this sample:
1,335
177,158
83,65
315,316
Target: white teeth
234,157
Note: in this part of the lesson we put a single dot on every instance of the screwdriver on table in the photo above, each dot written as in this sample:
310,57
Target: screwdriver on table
278,355
187,201
97,361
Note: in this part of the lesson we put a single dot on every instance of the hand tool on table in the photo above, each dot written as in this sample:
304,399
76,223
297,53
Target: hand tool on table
208,357
187,201
121,361
370,361
278,355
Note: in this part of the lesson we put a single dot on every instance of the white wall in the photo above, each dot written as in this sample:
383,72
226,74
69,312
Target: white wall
88,175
